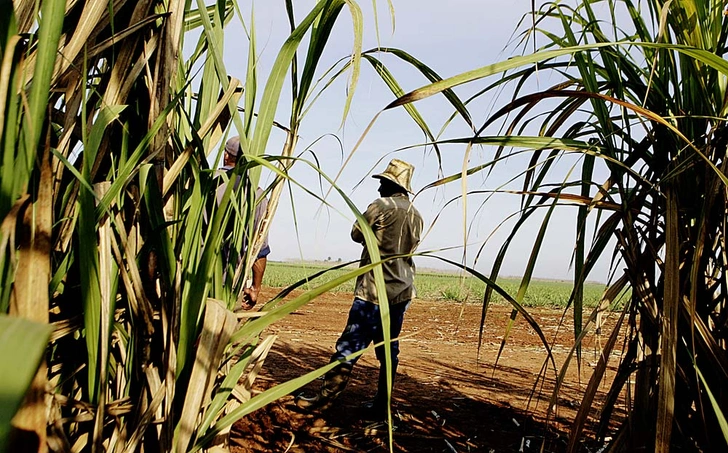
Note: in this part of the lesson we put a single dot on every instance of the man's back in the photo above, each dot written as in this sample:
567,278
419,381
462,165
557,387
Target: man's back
397,226
237,235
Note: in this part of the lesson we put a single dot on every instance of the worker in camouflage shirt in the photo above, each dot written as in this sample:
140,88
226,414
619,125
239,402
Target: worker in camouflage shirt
397,226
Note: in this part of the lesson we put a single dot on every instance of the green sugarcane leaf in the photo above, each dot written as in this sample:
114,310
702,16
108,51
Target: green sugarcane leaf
138,159
396,89
88,253
10,70
253,328
251,87
431,75
49,34
719,414
702,56
358,25
320,33
22,344
272,90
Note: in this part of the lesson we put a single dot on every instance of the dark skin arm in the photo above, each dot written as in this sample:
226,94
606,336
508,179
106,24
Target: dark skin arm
250,294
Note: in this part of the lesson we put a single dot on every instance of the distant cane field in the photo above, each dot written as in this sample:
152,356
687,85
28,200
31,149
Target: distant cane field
438,285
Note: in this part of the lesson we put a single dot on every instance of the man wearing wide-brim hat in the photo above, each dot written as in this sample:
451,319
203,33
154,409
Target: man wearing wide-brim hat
397,226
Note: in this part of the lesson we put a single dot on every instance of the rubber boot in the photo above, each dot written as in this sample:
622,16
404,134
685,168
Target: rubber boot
334,383
377,406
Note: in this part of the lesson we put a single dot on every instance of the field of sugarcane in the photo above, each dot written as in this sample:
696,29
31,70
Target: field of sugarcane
117,330
440,285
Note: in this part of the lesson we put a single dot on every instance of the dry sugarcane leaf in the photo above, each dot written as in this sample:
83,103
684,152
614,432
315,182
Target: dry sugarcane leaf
120,407
122,35
138,62
607,298
217,449
105,271
243,391
160,80
167,426
30,300
210,124
24,14
125,72
592,387
132,279
219,118
166,69
218,326
90,17
146,417
66,327
256,363
155,384
668,323
80,444
8,227
261,231
716,353
6,71
74,97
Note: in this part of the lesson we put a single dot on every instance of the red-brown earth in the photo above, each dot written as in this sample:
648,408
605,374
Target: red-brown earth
447,398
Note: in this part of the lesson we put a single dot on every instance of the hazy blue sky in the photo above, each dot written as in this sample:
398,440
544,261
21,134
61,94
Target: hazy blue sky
451,37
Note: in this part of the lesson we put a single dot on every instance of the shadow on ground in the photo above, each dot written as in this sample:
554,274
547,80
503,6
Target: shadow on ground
432,413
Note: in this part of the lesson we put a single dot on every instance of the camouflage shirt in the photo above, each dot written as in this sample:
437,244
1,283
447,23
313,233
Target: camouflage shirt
397,225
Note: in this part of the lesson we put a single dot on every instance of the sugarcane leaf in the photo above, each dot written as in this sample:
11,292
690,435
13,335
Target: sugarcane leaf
266,397
394,86
37,104
594,381
719,414
431,75
218,325
493,286
88,253
669,331
358,30
527,275
22,344
708,58
274,84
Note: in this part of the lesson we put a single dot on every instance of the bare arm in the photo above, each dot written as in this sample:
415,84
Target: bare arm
250,297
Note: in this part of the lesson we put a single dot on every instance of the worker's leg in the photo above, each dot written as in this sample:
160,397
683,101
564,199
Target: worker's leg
396,316
357,335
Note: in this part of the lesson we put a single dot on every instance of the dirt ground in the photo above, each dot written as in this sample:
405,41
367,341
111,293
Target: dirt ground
446,399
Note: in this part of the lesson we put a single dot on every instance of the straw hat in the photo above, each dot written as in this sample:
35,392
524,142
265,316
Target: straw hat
399,172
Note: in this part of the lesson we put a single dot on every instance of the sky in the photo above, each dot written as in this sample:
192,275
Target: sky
451,37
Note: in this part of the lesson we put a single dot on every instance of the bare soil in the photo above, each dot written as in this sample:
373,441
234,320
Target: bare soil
448,397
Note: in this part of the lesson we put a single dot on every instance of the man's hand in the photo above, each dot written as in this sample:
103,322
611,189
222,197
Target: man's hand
250,297
250,293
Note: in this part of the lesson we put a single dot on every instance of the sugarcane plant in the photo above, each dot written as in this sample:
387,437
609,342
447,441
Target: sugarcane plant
631,135
111,229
